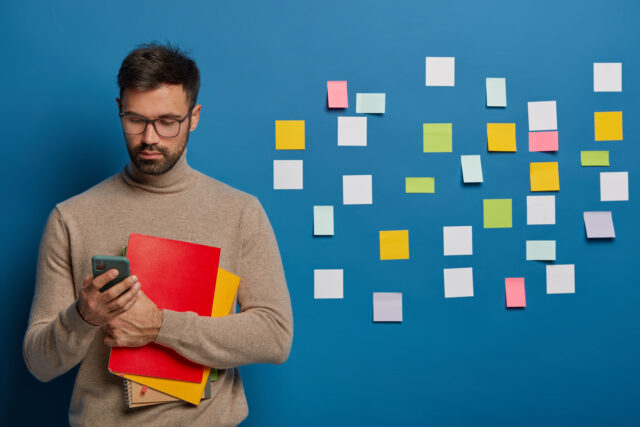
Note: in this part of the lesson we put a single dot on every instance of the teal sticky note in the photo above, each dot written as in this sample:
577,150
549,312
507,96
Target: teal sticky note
471,168
372,103
496,92
541,250
323,220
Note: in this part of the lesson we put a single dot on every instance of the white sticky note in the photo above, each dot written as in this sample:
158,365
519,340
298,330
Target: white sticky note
357,190
352,131
541,210
387,306
561,279
458,240
607,76
440,71
458,282
328,284
614,186
471,169
599,225
496,91
323,220
287,174
542,115
372,103
541,250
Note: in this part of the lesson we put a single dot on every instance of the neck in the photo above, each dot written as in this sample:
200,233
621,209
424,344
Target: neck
176,179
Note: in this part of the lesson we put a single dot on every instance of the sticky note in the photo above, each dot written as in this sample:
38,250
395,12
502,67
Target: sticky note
599,225
608,125
289,134
541,210
373,103
352,131
607,76
543,141
458,240
420,185
497,213
471,169
437,137
287,174
614,186
514,292
458,282
387,306
496,92
542,115
337,94
501,136
328,284
323,220
394,244
541,250
594,158
357,189
544,176
440,71
561,279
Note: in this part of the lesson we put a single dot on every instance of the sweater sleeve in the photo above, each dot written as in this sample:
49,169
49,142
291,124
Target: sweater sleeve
262,331
57,337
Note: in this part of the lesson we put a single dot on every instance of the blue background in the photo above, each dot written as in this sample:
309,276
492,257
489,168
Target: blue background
565,359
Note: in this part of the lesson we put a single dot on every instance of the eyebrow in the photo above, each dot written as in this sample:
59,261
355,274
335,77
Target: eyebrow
162,116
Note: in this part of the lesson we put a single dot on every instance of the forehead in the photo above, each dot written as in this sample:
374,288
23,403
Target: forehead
154,102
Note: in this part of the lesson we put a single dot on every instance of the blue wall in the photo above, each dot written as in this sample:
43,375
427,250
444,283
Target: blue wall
564,359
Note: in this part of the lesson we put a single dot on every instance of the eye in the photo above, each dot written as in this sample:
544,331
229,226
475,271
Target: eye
167,122
135,120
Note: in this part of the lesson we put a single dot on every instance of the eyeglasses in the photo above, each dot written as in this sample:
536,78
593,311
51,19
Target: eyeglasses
165,127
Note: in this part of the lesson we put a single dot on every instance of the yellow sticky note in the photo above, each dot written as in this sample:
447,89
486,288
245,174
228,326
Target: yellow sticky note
544,176
501,136
289,134
608,125
394,244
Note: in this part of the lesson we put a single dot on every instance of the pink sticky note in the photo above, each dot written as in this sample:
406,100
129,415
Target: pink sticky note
514,288
337,94
543,141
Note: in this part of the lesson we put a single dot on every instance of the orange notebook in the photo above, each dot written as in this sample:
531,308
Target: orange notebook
178,276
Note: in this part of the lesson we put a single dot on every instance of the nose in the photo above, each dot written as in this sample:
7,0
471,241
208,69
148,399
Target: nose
150,136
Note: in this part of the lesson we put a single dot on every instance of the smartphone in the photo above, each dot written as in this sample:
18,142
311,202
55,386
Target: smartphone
100,264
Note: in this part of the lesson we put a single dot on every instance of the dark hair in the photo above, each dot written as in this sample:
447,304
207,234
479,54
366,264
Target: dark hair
152,64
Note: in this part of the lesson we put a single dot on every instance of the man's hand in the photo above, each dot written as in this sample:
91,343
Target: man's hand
137,327
98,308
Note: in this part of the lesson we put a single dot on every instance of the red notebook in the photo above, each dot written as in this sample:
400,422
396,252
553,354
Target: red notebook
178,276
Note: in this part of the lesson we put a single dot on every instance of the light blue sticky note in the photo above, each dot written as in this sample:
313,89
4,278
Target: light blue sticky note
471,168
323,220
496,92
541,250
372,103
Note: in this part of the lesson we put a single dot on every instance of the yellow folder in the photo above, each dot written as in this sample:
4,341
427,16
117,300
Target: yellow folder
226,287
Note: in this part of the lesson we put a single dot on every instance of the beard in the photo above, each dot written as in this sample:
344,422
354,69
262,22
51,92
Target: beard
156,166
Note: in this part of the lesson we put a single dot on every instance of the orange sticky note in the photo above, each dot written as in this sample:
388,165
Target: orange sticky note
289,134
543,141
514,290
608,125
501,136
337,94
544,176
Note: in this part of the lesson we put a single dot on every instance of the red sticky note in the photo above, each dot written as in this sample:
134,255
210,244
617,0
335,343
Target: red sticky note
337,94
514,288
543,141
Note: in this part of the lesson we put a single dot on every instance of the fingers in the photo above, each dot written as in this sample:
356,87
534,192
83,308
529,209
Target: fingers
87,280
126,306
105,278
123,300
115,291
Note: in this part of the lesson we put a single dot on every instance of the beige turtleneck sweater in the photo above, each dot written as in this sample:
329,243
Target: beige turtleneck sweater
182,204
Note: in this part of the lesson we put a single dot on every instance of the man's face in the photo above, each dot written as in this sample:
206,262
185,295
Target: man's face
151,153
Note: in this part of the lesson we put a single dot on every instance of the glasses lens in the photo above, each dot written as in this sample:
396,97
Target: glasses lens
133,124
168,127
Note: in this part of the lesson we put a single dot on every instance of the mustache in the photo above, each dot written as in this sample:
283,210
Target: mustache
150,147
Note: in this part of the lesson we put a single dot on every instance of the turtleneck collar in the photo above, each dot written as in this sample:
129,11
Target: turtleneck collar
179,178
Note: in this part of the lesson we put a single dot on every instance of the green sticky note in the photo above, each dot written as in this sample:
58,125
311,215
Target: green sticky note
372,103
496,92
323,220
594,158
213,374
471,168
436,137
420,185
497,213
541,250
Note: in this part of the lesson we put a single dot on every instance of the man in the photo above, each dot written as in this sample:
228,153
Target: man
157,194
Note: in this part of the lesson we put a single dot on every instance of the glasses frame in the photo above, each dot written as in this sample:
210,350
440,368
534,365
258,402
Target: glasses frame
153,122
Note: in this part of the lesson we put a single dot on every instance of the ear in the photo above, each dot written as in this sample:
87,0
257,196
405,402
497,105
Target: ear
119,105
195,117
